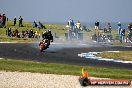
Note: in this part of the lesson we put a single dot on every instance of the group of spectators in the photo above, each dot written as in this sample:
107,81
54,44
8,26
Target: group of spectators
30,34
74,29
11,33
24,34
108,28
123,37
20,19
2,20
39,25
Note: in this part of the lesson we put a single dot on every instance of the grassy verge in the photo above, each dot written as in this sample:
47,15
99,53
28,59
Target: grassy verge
59,29
50,68
14,39
123,55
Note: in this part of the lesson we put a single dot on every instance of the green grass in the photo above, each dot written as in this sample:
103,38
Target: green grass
123,55
59,29
14,39
55,28
51,68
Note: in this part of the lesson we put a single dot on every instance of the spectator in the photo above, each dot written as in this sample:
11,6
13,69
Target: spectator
78,25
97,29
130,32
23,34
34,24
96,25
13,34
0,15
8,32
0,22
130,36
41,26
71,25
77,29
31,33
16,33
20,21
122,35
109,27
3,18
119,28
15,21
105,30
39,35
36,34
27,33
130,27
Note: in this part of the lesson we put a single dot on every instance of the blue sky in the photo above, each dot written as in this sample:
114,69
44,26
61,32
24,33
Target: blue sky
62,10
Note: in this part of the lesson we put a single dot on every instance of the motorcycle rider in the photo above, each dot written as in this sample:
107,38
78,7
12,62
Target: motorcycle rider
47,37
44,35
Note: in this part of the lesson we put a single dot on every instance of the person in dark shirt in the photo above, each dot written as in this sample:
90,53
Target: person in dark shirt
3,18
15,21
31,33
34,24
109,27
122,35
96,25
0,15
23,33
40,25
16,33
130,27
8,32
97,29
119,28
20,21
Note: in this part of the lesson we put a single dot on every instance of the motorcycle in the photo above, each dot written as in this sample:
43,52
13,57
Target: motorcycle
44,45
47,38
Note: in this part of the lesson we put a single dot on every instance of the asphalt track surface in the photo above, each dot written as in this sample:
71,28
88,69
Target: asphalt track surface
61,53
